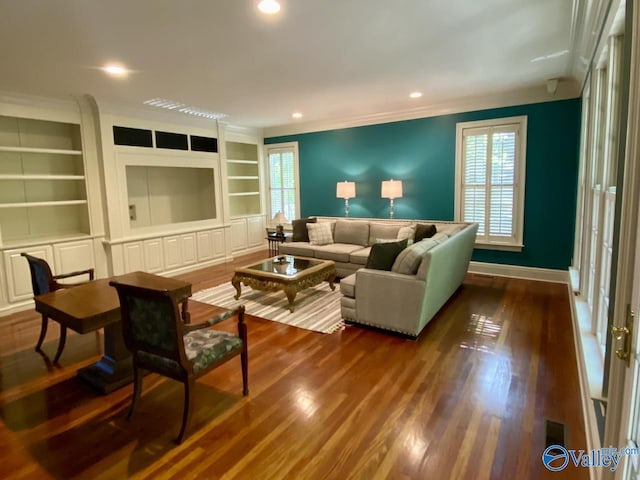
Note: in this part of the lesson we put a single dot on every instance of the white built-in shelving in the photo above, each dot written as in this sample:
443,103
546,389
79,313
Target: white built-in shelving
42,181
243,178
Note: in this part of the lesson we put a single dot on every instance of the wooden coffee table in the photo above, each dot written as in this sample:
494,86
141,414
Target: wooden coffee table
287,273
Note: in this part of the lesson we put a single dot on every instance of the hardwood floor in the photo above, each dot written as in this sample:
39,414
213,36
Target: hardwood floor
469,399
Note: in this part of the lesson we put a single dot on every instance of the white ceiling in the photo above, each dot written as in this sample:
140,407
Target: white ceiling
328,59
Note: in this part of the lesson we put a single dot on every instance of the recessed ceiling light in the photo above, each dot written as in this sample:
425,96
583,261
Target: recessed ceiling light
269,6
115,70
415,94
296,115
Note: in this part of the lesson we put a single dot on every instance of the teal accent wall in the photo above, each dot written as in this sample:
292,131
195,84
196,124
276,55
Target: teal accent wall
421,153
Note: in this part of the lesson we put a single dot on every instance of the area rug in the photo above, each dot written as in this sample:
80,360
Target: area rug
316,308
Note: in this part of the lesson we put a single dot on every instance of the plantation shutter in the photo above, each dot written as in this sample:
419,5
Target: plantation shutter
282,184
489,188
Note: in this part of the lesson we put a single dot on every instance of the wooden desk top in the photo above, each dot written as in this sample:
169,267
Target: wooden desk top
95,304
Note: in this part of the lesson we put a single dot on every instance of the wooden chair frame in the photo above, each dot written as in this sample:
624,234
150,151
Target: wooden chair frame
53,285
185,373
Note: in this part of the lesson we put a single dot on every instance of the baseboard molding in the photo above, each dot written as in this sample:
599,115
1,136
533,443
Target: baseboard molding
517,271
16,307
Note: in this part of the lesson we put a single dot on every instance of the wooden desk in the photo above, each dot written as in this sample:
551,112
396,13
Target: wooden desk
95,305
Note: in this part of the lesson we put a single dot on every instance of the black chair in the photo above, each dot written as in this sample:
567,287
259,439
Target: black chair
44,281
160,342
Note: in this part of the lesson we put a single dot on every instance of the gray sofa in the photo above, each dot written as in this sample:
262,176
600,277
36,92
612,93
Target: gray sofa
406,299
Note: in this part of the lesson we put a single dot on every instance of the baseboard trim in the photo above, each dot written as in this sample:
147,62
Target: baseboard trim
517,271
16,307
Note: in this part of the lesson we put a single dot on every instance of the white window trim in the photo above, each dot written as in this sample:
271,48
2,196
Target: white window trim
520,171
281,146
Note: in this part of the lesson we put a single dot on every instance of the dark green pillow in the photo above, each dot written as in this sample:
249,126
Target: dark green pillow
382,255
424,230
300,233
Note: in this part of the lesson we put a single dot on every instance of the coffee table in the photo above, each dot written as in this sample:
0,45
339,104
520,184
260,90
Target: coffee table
287,273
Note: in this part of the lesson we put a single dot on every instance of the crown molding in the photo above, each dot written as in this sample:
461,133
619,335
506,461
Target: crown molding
43,108
567,89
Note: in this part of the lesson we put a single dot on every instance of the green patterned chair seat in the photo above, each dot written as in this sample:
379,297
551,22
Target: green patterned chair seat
204,347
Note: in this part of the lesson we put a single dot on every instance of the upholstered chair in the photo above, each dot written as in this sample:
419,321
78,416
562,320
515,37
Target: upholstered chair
161,342
44,281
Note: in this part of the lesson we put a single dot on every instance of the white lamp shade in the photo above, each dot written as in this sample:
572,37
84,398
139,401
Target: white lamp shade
392,189
346,190
279,218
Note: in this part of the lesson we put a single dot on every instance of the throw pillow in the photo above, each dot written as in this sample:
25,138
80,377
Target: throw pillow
300,233
409,260
424,230
320,233
408,232
383,255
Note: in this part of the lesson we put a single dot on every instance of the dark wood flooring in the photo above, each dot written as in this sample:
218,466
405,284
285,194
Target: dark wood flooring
468,400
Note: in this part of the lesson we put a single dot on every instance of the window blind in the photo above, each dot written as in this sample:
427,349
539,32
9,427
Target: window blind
489,188
282,184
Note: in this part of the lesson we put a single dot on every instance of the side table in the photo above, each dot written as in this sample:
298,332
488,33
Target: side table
274,240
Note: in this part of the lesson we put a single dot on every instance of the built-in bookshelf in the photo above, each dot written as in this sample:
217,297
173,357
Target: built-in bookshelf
42,181
243,178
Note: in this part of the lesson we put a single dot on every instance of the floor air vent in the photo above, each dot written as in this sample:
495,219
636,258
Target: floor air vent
554,433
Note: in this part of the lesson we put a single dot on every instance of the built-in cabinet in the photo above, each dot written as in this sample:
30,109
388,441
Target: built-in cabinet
62,258
84,185
243,177
44,202
171,253
245,184
42,182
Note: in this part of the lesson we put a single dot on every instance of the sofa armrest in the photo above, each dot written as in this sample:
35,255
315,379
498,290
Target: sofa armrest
389,300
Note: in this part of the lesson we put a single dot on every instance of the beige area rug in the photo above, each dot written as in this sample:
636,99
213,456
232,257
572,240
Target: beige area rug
316,308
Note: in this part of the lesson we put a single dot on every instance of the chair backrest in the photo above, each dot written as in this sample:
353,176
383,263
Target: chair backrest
41,275
151,322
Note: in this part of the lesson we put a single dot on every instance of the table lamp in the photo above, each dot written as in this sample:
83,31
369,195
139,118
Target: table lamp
279,219
391,189
346,190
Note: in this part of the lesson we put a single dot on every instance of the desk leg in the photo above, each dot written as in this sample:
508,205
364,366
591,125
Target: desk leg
114,370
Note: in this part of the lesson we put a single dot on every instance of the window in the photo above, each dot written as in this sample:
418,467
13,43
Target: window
282,166
490,169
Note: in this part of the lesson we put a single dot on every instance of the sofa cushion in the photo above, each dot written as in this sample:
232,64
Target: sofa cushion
409,259
359,257
320,233
338,252
383,255
424,230
300,233
301,249
379,231
348,286
353,232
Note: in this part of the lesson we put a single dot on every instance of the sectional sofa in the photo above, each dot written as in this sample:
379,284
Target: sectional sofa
405,299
